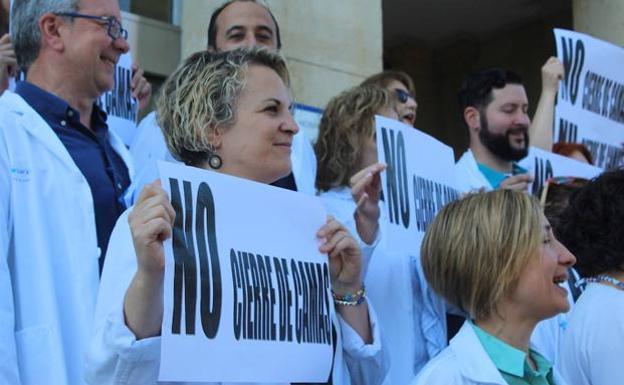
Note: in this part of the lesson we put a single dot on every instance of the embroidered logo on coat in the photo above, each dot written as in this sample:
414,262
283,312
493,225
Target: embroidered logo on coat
20,174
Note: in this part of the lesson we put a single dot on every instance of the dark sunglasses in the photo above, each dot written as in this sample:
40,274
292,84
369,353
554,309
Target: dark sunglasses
402,95
115,30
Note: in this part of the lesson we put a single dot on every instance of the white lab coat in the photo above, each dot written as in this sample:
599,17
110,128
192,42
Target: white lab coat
116,357
465,362
48,251
149,146
412,327
468,176
592,348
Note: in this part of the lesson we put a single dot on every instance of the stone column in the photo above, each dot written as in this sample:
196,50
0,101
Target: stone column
603,19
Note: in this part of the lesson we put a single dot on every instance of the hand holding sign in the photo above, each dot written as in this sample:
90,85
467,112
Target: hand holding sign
552,73
345,256
541,131
366,190
151,223
8,62
345,269
517,182
141,89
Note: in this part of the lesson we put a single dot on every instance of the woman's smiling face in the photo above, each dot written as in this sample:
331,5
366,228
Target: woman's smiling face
538,293
258,145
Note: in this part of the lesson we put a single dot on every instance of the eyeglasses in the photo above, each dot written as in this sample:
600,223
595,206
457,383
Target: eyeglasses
403,95
115,30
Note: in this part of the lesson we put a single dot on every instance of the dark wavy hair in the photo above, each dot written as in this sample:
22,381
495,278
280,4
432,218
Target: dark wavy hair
592,226
476,89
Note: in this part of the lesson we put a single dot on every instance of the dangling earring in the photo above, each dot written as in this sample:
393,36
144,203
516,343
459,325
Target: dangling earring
214,160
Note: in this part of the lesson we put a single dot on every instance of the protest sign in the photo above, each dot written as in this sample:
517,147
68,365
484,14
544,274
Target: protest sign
246,293
122,109
590,102
308,119
418,182
544,164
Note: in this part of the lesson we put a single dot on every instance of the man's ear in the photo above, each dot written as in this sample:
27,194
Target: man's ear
50,26
472,117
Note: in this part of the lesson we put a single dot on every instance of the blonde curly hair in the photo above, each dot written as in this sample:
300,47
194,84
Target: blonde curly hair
347,122
202,95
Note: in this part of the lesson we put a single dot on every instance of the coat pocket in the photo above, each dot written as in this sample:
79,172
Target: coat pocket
34,357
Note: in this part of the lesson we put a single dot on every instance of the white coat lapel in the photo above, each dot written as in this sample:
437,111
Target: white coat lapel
472,358
33,123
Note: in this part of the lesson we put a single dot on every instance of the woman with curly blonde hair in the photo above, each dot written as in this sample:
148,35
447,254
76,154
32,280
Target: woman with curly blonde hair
346,154
346,141
230,113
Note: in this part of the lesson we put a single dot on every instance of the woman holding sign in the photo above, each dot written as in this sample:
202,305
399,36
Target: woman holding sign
346,151
229,112
494,256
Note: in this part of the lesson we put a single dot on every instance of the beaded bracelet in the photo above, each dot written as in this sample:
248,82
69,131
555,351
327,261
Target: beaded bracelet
350,299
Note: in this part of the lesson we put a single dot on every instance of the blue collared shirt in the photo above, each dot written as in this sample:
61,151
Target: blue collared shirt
102,167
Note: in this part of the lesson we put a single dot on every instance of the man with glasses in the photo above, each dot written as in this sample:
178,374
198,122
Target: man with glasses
63,176
402,85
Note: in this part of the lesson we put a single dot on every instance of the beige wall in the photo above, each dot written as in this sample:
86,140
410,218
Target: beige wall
154,44
330,45
438,71
603,19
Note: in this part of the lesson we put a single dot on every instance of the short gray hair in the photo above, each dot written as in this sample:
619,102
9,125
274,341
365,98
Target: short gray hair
25,33
202,95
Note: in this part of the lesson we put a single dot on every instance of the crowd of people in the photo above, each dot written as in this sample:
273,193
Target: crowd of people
84,217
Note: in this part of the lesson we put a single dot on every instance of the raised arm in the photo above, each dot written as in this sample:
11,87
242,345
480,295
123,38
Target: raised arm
366,190
8,62
141,88
345,266
541,131
151,223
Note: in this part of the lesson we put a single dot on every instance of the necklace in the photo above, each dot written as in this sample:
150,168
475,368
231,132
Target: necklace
606,278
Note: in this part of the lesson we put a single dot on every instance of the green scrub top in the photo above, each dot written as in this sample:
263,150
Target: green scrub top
512,363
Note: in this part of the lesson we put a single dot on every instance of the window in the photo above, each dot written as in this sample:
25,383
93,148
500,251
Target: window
161,10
